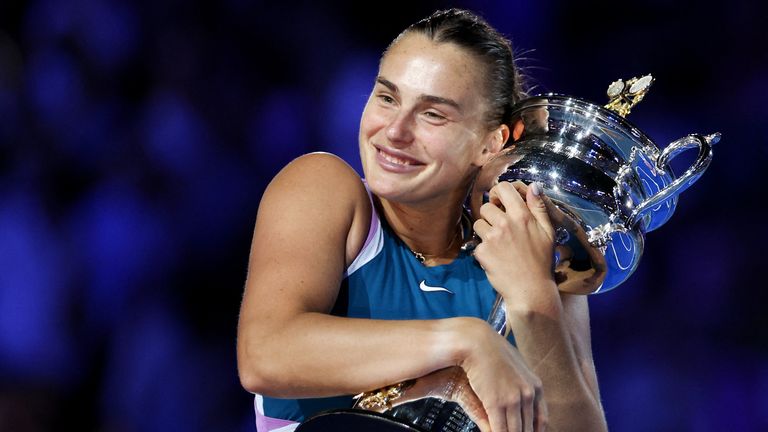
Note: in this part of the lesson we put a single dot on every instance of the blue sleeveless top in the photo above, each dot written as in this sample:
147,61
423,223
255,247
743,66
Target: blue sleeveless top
386,281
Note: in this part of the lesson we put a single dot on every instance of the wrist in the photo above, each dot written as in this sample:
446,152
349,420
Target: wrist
540,299
460,335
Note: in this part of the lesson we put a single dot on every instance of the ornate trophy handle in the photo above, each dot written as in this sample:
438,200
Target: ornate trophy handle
704,144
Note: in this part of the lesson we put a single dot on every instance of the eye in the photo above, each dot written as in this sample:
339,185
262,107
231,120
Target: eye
434,115
386,99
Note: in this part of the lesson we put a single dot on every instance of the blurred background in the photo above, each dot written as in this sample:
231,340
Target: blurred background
136,139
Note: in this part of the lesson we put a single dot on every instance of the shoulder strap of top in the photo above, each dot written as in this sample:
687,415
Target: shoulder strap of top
373,244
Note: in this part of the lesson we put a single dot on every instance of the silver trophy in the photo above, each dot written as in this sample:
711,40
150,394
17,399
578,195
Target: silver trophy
606,185
607,181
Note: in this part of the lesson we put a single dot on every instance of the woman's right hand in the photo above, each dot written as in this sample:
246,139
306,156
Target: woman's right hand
509,393
492,384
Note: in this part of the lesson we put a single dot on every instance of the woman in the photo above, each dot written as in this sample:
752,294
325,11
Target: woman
354,285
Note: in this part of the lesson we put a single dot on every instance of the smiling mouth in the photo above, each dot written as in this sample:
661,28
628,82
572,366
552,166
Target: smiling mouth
395,159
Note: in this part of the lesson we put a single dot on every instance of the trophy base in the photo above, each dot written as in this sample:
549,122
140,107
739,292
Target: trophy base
349,419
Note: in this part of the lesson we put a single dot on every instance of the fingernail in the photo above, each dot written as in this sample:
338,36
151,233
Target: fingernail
536,188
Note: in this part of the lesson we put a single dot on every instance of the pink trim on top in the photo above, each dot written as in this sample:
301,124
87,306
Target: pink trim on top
373,243
268,424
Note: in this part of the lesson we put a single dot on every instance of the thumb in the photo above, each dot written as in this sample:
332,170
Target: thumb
463,394
469,402
535,201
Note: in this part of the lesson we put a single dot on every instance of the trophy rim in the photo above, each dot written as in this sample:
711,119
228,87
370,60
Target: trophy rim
334,419
605,114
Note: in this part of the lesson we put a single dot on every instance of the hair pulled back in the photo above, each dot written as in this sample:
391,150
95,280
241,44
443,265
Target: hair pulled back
503,81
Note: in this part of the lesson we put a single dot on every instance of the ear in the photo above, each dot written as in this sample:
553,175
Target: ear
518,130
493,144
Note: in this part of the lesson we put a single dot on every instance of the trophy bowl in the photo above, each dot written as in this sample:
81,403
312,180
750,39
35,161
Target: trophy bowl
608,184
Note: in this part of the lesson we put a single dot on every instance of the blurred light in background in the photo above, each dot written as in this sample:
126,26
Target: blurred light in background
136,139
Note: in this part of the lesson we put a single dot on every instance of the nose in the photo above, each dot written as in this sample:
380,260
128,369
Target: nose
400,129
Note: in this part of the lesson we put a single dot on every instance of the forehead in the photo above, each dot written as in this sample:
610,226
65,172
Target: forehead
417,64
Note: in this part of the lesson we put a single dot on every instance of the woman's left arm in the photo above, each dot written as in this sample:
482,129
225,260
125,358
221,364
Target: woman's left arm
557,347
551,329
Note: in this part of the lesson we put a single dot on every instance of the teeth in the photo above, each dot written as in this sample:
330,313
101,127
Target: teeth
394,159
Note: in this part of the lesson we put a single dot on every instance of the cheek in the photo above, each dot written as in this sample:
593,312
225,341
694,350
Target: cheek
457,151
372,121
370,124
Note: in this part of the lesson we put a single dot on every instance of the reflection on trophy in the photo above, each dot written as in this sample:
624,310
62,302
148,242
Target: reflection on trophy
607,182
606,185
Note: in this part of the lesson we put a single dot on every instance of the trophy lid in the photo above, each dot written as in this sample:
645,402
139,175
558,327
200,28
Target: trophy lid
623,96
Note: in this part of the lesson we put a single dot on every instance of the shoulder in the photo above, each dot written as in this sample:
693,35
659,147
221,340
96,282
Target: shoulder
323,191
322,160
315,171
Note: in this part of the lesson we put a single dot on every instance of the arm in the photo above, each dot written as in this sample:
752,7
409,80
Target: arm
312,220
556,344
551,329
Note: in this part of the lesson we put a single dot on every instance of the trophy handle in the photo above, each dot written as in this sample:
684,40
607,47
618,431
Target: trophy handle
704,144
497,319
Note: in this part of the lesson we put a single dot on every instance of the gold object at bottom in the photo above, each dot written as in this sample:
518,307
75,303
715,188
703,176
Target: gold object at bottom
382,398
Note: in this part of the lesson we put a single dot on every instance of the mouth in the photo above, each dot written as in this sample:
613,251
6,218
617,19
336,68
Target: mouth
396,159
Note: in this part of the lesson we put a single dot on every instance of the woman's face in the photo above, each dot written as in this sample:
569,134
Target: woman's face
422,133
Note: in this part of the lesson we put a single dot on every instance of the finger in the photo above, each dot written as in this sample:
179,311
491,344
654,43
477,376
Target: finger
507,195
492,213
470,403
526,409
483,424
520,187
481,227
540,413
556,216
535,201
514,419
498,419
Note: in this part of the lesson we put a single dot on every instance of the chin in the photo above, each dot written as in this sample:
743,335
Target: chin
385,188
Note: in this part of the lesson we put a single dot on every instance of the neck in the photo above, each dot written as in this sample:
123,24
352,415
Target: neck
433,231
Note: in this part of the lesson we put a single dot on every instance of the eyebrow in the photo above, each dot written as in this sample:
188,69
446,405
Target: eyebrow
425,98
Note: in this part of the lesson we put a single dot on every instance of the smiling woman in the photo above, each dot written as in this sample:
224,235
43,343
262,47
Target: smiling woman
426,94
361,309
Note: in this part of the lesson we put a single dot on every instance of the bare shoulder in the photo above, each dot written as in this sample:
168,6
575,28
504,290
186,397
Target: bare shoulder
318,191
311,217
321,159
319,173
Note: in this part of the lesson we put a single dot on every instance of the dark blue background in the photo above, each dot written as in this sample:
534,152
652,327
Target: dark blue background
136,138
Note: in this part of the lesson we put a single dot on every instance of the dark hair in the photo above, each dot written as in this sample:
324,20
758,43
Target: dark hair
504,85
